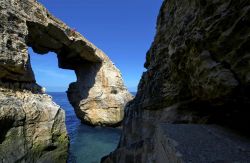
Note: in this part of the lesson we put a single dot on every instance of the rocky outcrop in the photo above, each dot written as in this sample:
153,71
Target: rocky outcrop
198,71
32,128
98,95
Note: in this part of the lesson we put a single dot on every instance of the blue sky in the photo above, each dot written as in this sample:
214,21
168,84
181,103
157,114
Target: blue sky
124,30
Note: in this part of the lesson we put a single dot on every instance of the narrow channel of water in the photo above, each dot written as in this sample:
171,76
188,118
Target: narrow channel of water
87,144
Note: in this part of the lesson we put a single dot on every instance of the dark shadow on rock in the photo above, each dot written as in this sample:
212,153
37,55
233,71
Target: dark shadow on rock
5,125
79,90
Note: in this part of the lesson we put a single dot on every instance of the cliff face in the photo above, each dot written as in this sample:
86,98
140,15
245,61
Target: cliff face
32,127
198,71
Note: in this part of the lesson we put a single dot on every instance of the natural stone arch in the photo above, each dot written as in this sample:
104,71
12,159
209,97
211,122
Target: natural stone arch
32,126
99,94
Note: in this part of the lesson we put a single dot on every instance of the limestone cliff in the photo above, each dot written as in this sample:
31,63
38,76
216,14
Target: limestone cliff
198,71
32,127
98,95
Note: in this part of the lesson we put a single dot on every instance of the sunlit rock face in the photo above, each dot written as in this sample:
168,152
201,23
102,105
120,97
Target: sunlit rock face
28,115
32,128
198,70
99,95
28,23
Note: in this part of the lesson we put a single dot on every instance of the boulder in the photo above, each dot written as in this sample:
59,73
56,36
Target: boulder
32,128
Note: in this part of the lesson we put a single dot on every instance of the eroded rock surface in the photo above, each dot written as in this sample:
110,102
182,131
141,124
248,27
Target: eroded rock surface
198,71
98,95
32,128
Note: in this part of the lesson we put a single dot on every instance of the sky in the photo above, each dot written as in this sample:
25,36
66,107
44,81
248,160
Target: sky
124,30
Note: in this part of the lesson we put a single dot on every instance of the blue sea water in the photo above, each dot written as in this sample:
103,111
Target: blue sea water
87,144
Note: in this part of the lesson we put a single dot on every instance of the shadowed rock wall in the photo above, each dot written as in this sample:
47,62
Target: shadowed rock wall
198,70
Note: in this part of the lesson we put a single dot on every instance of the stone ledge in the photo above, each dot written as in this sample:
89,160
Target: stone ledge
202,143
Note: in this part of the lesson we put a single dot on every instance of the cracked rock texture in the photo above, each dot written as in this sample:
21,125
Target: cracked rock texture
198,71
98,96
32,128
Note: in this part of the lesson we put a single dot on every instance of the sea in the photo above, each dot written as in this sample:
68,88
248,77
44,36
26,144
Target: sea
87,144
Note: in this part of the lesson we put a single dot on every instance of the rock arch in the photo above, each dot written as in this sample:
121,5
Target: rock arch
98,95
32,126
